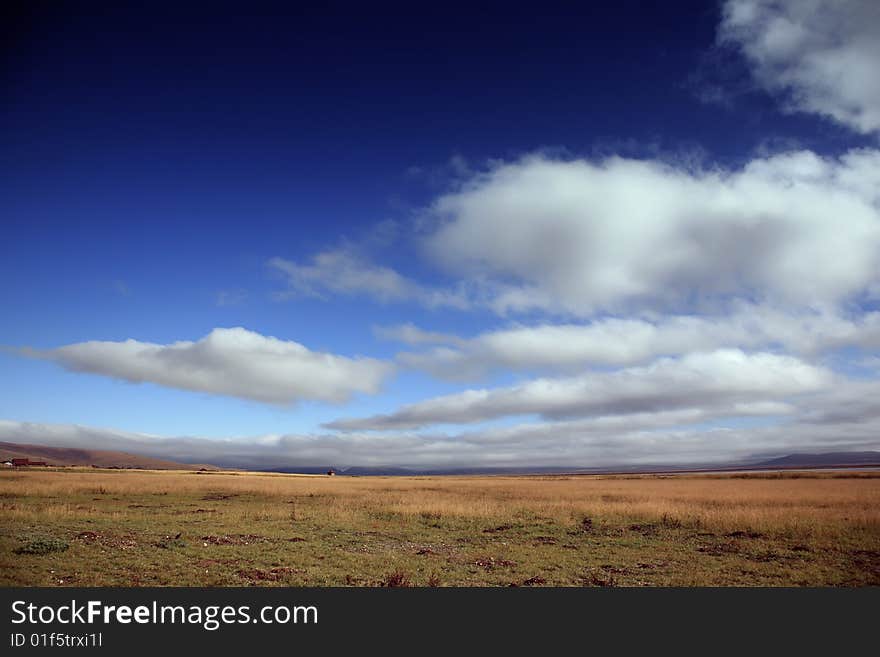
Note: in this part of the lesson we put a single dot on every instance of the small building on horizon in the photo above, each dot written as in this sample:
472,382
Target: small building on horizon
21,463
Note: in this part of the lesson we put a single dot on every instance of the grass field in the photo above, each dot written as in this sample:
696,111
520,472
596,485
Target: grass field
78,527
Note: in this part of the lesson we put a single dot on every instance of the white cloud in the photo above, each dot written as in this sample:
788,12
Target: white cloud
613,341
585,238
849,402
228,361
411,334
665,437
697,380
344,271
581,238
822,54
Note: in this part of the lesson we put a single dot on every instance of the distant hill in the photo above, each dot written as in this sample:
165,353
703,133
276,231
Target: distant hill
827,460
306,469
823,460
101,458
107,459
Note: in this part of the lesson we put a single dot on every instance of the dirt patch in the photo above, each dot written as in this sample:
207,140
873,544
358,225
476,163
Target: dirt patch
719,549
767,557
537,580
272,575
644,530
235,539
611,568
112,541
66,579
499,528
296,539
745,534
867,560
607,578
491,563
545,540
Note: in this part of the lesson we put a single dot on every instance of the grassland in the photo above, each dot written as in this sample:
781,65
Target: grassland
139,528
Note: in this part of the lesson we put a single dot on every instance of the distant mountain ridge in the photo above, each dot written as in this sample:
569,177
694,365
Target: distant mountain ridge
827,459
798,460
69,456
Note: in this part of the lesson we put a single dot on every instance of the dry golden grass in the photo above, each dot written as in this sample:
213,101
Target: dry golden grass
811,501
806,512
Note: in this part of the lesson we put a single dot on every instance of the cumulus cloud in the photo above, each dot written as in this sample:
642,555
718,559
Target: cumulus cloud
696,380
614,341
344,271
821,54
713,289
228,361
849,402
585,237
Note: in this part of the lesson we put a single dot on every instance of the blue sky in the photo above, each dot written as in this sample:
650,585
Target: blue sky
442,237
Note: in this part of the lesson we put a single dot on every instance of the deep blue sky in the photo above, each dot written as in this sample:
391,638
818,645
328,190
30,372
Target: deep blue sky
154,158
141,143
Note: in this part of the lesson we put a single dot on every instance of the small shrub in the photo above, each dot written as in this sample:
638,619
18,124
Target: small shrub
670,522
397,579
42,546
599,579
434,580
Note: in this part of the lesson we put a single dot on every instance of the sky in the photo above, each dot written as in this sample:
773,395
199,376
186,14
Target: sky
638,233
